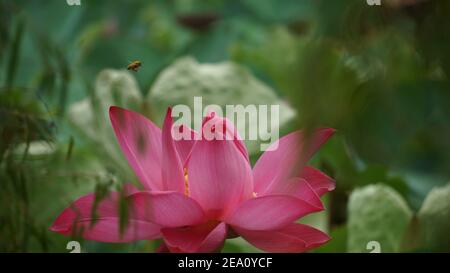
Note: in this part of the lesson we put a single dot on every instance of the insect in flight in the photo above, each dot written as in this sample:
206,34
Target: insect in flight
134,65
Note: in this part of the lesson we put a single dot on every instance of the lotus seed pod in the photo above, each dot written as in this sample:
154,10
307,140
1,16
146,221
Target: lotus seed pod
434,220
221,84
377,213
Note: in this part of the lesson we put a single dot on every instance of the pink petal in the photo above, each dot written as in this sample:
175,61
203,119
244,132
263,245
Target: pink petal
208,237
297,187
292,152
172,166
215,239
319,181
292,238
168,209
140,141
184,146
270,212
219,176
129,189
213,125
103,223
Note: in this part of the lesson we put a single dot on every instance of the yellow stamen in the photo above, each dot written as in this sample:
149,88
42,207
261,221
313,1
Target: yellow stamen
186,183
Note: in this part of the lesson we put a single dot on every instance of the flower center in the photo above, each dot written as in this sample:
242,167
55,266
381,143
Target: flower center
186,183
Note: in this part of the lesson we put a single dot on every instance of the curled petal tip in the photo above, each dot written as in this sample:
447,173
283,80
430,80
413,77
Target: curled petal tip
114,108
56,229
169,111
328,131
332,187
325,238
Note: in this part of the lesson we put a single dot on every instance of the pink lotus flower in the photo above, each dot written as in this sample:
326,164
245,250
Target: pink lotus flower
198,193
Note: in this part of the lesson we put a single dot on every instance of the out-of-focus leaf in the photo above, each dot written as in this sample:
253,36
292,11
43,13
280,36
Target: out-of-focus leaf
270,53
338,242
420,184
36,149
434,44
271,10
377,213
14,54
375,173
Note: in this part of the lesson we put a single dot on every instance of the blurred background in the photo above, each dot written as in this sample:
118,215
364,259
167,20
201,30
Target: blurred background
378,74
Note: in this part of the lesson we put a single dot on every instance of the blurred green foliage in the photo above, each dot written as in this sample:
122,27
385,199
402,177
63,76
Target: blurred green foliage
378,74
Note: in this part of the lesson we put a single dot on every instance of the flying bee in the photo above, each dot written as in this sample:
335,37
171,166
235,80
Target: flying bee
134,66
